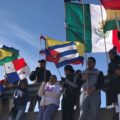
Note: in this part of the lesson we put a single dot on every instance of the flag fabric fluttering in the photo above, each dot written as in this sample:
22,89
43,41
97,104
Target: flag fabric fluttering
62,53
86,26
2,82
16,70
1,88
113,14
116,40
8,54
75,1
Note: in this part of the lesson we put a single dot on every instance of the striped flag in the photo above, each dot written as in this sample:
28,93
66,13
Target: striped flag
113,14
16,70
62,53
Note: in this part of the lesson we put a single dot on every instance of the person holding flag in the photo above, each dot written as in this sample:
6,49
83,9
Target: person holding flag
39,75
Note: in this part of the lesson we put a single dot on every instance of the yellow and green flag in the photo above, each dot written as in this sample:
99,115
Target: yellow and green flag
113,14
8,54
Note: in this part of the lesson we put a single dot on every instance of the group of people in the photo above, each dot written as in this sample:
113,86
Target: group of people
80,88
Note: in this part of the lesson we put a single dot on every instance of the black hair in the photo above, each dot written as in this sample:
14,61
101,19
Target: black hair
41,61
92,58
69,67
113,51
23,81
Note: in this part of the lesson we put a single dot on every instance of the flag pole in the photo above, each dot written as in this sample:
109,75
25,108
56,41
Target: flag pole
7,85
85,50
103,32
45,39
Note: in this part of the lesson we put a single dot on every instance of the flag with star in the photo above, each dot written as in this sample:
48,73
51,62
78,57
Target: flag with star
63,52
16,70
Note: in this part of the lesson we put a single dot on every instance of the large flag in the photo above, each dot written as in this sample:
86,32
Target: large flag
16,70
8,54
62,53
88,16
113,14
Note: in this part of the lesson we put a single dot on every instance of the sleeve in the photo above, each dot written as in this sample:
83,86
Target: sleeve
100,81
41,89
32,75
48,74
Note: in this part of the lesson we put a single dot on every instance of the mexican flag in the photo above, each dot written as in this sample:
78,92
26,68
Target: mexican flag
113,14
84,24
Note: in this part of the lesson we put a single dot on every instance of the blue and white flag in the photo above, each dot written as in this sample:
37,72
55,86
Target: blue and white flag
62,53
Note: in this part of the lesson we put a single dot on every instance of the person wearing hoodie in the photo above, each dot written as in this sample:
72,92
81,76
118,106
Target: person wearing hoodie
50,93
20,99
71,91
114,60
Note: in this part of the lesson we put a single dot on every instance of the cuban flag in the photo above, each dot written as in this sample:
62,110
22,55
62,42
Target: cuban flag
62,53
16,70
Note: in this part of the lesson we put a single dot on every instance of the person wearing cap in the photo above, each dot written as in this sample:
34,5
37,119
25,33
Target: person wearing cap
113,89
39,75
20,99
71,91
114,60
90,98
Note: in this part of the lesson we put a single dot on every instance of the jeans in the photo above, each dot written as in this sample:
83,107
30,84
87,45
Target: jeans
89,103
20,113
47,112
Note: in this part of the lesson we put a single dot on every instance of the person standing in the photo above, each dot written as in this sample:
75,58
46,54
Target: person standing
90,98
112,91
71,91
39,75
114,60
50,93
20,99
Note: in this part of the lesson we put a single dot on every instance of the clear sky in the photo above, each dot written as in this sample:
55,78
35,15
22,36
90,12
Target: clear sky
23,21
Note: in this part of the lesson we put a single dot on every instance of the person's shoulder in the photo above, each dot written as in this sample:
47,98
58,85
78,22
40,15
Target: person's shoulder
48,71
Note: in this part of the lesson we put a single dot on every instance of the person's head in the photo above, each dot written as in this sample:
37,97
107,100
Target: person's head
42,63
68,69
91,62
53,79
112,53
22,84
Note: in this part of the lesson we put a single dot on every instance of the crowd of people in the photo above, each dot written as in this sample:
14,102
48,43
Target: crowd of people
78,88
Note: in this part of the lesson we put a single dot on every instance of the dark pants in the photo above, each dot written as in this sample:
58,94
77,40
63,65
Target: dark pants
115,116
5,105
68,103
33,101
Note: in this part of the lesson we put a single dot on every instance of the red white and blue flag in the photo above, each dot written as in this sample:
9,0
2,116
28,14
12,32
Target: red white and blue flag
2,82
62,53
16,70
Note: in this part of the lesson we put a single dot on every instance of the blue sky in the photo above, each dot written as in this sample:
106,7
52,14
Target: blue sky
23,21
